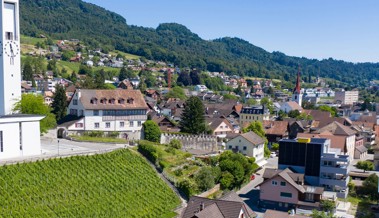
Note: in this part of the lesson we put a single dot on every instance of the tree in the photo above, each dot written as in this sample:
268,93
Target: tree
321,214
370,186
365,165
67,55
332,110
27,71
226,180
367,105
195,77
34,104
294,113
192,120
268,103
184,79
150,81
328,205
176,92
122,75
275,147
230,96
251,101
205,179
60,102
151,131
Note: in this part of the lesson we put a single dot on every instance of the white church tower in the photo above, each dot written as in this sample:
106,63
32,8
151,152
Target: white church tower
10,62
296,94
19,133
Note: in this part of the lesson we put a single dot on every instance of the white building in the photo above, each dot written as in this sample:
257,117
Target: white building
201,88
346,97
119,110
249,144
19,134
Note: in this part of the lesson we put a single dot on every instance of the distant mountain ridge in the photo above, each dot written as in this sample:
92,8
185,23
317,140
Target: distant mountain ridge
174,43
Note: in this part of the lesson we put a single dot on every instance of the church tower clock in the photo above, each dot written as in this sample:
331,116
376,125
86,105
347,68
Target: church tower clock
10,62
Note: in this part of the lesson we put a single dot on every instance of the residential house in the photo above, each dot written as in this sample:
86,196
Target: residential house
288,106
285,189
25,88
298,126
220,127
367,131
228,206
152,93
249,144
254,113
48,97
321,164
119,110
125,84
165,124
201,88
275,130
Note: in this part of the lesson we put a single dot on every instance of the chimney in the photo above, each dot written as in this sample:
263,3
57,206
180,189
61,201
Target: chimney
201,206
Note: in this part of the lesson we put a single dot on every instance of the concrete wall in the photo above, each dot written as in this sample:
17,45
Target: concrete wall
199,142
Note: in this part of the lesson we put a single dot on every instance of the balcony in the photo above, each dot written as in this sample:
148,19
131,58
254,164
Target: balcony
340,181
338,169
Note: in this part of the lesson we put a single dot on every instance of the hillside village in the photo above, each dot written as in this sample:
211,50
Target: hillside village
335,120
83,128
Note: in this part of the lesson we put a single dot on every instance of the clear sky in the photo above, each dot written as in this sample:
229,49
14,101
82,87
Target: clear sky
341,29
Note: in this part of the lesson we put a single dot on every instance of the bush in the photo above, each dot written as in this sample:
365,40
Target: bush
205,179
175,143
149,150
151,131
226,180
187,187
163,164
96,134
113,134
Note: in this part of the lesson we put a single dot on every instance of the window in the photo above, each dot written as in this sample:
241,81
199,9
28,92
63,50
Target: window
97,125
122,124
274,182
282,183
107,125
230,147
285,195
244,148
94,101
139,123
121,101
131,123
75,102
112,101
103,101
96,113
1,142
74,112
78,125
8,35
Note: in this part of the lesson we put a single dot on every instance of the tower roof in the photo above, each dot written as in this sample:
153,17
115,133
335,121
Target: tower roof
297,87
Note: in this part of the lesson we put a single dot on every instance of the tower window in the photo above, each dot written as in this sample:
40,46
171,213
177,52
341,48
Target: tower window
8,35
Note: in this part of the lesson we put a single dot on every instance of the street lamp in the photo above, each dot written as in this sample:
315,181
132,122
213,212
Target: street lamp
58,147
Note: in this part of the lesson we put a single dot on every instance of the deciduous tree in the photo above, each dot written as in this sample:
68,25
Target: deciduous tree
151,131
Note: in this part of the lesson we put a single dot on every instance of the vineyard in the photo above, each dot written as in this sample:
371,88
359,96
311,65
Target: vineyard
117,184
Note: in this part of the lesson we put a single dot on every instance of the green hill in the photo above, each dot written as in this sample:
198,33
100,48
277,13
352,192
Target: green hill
116,184
176,44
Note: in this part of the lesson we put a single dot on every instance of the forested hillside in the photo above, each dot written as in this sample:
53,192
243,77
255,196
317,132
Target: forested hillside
174,43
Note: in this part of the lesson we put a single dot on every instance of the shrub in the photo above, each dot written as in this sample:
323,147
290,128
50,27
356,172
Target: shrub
113,134
175,143
187,187
149,150
163,164
205,179
97,134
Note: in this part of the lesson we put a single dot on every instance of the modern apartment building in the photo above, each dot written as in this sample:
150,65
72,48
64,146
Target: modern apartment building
321,165
254,113
346,97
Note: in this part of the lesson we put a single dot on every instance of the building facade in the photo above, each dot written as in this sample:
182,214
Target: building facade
252,114
120,110
346,97
320,164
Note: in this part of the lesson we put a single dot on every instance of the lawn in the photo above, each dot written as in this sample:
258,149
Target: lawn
30,40
126,55
98,139
116,184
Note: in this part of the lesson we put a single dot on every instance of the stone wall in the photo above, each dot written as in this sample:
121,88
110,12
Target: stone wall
189,142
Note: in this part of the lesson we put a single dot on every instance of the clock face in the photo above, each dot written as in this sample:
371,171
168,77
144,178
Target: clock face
11,49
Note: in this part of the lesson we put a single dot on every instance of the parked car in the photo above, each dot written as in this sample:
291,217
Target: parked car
252,177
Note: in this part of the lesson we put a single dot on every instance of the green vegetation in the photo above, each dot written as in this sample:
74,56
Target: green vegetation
116,184
35,104
176,44
192,120
365,165
257,128
87,138
151,131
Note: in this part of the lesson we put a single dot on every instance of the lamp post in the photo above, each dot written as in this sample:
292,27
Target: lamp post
58,147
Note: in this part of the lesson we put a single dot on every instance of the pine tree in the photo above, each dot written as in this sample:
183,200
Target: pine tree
27,71
193,120
60,103
122,74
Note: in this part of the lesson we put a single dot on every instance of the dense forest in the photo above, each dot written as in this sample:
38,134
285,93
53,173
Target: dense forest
174,43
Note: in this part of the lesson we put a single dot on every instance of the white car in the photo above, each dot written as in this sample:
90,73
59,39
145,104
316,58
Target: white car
273,154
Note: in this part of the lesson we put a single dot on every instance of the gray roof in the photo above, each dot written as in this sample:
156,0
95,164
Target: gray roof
253,138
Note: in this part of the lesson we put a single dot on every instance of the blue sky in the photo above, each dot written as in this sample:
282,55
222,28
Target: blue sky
341,29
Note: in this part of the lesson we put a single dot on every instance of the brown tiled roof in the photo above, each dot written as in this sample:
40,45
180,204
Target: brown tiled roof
213,208
253,138
232,196
71,88
25,86
366,125
280,214
324,121
275,127
88,94
287,175
294,105
216,122
317,114
368,118
337,128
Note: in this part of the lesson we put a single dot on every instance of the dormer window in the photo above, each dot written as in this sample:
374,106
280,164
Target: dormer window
112,101
121,101
130,100
103,101
93,101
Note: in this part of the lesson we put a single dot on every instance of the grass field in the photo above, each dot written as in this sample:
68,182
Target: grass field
30,40
116,184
